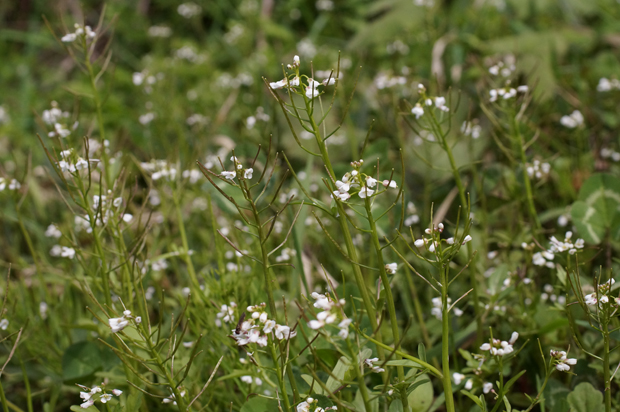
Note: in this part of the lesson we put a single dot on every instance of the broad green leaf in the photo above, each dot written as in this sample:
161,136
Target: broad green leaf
77,408
338,374
598,208
259,404
80,360
585,398
421,398
316,388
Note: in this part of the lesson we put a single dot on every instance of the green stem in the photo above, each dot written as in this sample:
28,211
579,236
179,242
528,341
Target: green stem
445,342
542,389
606,371
359,374
463,197
105,276
5,406
186,255
389,298
283,393
526,178
346,234
272,304
100,124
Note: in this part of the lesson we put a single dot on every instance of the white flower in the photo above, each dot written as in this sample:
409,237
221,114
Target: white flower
105,397
68,38
4,323
371,182
53,231
87,404
391,268
229,175
419,243
390,183
469,384
486,388
458,378
247,173
522,89
418,111
485,346
514,337
247,379
14,185
284,332
117,392
575,119
312,90
296,61
118,324
365,192
303,407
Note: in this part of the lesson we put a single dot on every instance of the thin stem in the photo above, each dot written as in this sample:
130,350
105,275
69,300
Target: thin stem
274,355
344,227
186,255
390,299
606,371
445,342
360,376
526,178
98,105
463,199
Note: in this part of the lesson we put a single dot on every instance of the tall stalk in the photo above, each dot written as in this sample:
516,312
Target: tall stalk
389,298
445,341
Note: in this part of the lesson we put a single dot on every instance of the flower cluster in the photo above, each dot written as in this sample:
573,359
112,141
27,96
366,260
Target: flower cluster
53,231
538,169
573,120
170,399
387,81
562,363
311,405
546,257
498,347
90,395
459,377
159,169
607,153
438,102
412,213
371,364
13,184
57,119
472,129
118,324
606,85
432,244
62,251
80,31
239,171
250,330
601,297
331,313
363,183
505,69
226,314
309,85
506,92
437,306
71,162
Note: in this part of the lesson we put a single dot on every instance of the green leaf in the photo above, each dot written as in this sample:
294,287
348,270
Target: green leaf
598,208
508,407
585,398
338,374
472,397
81,360
512,381
422,352
260,404
316,388
421,398
77,408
